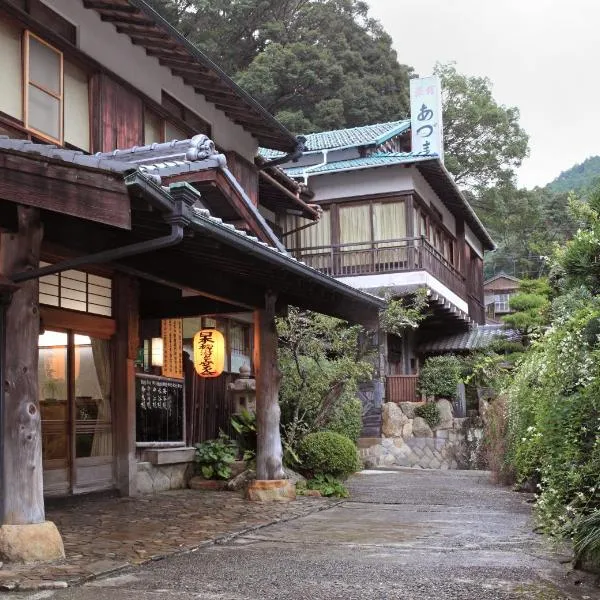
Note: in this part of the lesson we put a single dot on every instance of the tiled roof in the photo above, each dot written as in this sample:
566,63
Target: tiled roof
473,339
381,159
344,138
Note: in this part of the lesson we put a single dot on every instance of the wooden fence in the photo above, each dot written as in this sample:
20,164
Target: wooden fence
401,388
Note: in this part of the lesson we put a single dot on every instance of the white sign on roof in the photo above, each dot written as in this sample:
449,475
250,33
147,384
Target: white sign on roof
426,116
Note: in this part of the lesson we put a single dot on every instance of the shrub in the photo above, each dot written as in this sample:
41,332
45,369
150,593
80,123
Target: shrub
430,412
244,425
440,375
586,540
347,419
328,485
214,457
328,453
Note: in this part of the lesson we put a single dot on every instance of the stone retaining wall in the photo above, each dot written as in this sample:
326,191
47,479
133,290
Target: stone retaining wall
408,441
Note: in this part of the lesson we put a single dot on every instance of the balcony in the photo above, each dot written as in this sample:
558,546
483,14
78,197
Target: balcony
387,256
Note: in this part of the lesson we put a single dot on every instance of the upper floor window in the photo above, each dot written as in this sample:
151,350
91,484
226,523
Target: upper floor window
502,303
157,129
43,88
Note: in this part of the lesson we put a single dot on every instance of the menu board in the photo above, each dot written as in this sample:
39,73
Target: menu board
172,335
159,410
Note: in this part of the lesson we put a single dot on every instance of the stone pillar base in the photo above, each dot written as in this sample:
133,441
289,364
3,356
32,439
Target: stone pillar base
34,542
277,490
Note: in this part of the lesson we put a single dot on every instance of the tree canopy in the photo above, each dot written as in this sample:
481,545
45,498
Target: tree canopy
315,64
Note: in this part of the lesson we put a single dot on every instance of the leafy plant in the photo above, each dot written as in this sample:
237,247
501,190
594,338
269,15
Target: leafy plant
403,314
430,412
440,375
213,457
586,539
244,424
328,453
328,485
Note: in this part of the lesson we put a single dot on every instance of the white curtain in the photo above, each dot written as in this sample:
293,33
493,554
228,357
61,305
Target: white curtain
389,222
102,444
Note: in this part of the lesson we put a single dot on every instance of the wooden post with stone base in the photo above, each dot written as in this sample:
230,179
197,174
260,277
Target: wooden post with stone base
25,535
270,484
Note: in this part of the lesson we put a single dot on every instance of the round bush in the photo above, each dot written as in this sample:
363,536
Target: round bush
430,412
328,453
347,419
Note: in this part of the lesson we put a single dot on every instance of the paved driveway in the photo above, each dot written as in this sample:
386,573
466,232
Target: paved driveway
405,534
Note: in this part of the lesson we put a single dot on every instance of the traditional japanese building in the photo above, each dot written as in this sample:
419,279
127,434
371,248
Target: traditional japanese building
498,291
133,217
393,221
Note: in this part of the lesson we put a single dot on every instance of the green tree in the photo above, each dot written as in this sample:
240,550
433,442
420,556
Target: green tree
531,305
483,139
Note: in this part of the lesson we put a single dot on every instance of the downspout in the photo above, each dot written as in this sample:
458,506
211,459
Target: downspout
291,157
307,172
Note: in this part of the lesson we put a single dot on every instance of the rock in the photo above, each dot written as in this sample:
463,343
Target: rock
292,476
241,481
446,417
407,430
277,490
237,467
421,428
399,442
408,408
31,543
393,420
313,493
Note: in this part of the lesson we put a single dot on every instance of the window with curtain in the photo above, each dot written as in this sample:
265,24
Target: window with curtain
355,226
389,222
318,234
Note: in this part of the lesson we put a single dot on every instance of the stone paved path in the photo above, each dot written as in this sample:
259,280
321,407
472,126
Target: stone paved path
104,534
404,534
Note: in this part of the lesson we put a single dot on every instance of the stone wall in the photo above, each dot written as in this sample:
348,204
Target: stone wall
408,441
160,478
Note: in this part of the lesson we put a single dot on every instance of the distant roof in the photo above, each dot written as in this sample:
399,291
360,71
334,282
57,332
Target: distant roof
502,275
473,339
381,159
366,135
146,28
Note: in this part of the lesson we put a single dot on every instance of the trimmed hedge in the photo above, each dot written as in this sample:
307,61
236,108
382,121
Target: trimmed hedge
328,453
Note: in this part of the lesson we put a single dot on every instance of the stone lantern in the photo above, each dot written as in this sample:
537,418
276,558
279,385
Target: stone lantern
244,392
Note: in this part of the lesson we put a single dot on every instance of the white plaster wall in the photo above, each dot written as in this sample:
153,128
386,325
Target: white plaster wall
315,158
431,198
472,240
115,51
412,278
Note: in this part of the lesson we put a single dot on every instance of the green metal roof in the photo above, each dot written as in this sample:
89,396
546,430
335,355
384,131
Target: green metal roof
381,159
366,135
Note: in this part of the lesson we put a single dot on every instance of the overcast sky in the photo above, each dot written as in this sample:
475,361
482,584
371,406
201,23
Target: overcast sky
542,56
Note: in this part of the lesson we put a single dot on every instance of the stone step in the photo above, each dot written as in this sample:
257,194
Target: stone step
367,442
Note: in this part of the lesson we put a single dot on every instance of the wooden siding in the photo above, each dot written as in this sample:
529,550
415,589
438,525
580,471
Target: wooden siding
401,388
117,115
503,284
245,172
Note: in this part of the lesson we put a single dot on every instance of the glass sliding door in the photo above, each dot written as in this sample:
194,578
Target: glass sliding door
75,383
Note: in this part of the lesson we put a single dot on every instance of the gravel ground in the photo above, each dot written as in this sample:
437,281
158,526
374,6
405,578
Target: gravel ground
405,534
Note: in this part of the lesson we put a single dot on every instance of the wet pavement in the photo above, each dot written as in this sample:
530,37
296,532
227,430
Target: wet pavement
404,534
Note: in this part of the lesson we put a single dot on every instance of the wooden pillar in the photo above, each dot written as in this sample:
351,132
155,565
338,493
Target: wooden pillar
25,535
269,454
126,346
22,490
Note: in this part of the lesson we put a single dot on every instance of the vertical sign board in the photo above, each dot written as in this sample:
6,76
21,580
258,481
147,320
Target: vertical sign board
172,335
426,116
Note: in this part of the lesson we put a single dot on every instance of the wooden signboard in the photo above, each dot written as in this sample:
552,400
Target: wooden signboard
159,409
172,335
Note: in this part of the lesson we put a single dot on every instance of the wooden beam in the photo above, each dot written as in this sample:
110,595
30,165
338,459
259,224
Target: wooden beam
131,20
269,451
23,488
149,32
103,5
66,189
138,40
186,307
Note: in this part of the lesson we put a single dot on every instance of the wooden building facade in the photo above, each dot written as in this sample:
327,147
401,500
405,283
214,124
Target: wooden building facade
132,214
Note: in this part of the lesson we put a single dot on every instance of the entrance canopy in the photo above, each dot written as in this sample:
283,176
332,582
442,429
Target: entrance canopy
214,268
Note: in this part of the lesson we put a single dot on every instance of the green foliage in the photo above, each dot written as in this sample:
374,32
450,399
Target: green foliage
322,361
430,412
315,65
440,375
213,457
402,314
586,539
328,485
328,453
483,139
244,425
531,306
580,178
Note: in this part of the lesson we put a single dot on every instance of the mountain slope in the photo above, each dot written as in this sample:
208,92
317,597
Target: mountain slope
578,178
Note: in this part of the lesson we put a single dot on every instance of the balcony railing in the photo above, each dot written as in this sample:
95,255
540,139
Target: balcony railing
387,256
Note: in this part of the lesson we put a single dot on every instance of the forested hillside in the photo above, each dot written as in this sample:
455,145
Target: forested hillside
579,178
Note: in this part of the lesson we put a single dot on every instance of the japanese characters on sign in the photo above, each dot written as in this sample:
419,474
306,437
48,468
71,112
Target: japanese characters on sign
426,116
209,353
172,335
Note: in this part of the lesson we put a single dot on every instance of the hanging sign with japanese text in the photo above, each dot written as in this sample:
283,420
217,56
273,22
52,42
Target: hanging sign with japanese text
209,353
426,116
172,336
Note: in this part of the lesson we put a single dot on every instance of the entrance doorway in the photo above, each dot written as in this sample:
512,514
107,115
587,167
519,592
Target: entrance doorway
75,386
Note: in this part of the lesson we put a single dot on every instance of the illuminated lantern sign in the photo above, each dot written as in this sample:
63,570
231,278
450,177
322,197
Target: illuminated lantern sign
209,353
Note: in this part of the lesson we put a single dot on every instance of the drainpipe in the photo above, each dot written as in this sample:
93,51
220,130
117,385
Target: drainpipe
292,157
307,172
